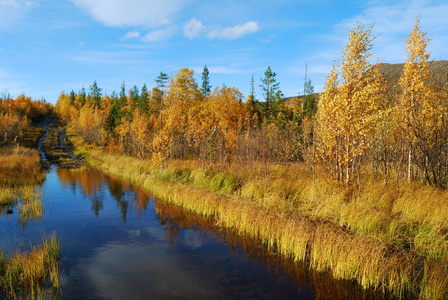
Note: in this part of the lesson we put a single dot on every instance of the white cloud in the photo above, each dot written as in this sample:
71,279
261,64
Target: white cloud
267,40
13,11
193,28
234,32
32,4
159,35
10,3
122,13
130,35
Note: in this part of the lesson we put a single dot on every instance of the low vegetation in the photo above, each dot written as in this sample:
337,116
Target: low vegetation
35,274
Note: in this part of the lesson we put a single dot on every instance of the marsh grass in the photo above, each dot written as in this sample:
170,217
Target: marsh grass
390,238
20,166
34,274
26,198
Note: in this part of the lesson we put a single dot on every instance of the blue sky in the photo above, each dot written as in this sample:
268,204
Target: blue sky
50,46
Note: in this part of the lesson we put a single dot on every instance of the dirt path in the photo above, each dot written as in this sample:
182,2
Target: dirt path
54,146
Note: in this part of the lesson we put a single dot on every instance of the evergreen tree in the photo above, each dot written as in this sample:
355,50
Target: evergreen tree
144,99
115,115
269,86
122,99
134,96
206,87
82,97
72,98
161,81
309,105
252,89
95,94
251,102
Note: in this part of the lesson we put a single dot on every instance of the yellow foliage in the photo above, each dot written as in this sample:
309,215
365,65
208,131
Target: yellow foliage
348,110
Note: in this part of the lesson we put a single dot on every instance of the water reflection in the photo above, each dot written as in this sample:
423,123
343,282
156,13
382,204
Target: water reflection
25,202
118,243
324,285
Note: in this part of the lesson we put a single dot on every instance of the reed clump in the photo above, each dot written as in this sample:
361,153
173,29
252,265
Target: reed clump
31,274
20,166
391,238
26,198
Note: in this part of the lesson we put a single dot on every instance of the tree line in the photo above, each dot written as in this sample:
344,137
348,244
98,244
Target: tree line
180,119
358,125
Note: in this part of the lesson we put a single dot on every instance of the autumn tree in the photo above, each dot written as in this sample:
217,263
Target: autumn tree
348,108
422,112
181,105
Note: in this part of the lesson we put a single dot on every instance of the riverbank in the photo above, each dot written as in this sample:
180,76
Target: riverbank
33,273
391,239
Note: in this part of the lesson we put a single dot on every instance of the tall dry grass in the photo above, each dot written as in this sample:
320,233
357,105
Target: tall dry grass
20,166
391,238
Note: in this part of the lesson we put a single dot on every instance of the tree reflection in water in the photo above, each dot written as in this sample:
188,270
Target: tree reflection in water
325,286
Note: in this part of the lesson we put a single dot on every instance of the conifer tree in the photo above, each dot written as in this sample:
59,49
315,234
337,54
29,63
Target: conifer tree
269,86
206,87
95,94
72,98
82,97
144,99
251,102
161,81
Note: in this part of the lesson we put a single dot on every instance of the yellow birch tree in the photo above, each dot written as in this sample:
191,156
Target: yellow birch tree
349,108
422,112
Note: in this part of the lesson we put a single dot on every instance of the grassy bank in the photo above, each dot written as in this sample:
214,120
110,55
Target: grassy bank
391,238
35,274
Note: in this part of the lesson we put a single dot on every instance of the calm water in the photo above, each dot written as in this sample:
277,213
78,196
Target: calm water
119,243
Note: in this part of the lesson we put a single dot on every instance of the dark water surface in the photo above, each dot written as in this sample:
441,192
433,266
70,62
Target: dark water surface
119,243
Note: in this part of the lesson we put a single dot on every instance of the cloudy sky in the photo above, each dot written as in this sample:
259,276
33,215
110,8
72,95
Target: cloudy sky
50,46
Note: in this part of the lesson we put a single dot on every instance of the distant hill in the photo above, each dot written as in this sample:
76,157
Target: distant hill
392,73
